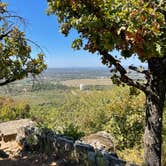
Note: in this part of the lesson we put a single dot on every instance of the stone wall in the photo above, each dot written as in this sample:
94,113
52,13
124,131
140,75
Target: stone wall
72,152
8,130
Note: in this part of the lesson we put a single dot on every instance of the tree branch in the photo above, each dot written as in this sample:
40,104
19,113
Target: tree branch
138,70
4,35
123,77
7,82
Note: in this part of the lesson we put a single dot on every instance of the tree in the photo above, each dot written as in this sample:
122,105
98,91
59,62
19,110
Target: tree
15,59
134,28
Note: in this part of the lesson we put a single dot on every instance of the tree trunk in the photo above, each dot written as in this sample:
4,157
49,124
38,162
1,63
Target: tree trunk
154,111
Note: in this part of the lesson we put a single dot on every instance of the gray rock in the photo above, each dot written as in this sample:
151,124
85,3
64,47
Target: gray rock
100,140
68,151
83,147
9,129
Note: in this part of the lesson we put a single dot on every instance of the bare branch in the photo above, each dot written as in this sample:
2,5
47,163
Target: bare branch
35,44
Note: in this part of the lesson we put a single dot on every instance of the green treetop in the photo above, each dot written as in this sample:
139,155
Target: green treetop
16,61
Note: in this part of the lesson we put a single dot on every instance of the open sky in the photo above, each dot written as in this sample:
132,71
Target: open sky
44,30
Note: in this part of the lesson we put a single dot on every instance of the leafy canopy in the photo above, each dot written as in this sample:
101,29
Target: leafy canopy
130,26
15,59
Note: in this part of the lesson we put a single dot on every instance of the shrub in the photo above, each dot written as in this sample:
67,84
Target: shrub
12,110
134,155
73,131
126,121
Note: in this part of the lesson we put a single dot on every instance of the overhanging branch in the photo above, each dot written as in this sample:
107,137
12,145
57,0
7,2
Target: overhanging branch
123,77
7,82
139,70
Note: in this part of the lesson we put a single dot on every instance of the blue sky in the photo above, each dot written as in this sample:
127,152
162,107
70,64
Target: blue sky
44,30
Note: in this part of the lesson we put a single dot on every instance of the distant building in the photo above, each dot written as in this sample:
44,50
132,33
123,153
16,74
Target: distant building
82,87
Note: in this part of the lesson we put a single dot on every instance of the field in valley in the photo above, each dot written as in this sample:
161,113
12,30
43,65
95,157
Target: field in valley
94,82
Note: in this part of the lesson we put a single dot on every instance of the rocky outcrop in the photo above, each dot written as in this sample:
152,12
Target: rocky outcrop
100,140
72,152
8,130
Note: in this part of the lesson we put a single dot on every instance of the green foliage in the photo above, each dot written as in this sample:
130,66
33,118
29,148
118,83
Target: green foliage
126,121
112,110
134,27
164,152
164,125
73,131
38,86
32,140
15,60
134,91
74,112
12,110
134,154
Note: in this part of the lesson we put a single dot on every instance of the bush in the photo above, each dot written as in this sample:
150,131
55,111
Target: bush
12,110
126,121
73,131
115,111
134,155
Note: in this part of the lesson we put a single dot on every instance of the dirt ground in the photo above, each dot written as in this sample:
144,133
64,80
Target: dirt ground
11,154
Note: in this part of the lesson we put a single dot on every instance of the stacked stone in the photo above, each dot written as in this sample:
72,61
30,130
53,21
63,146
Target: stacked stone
74,152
